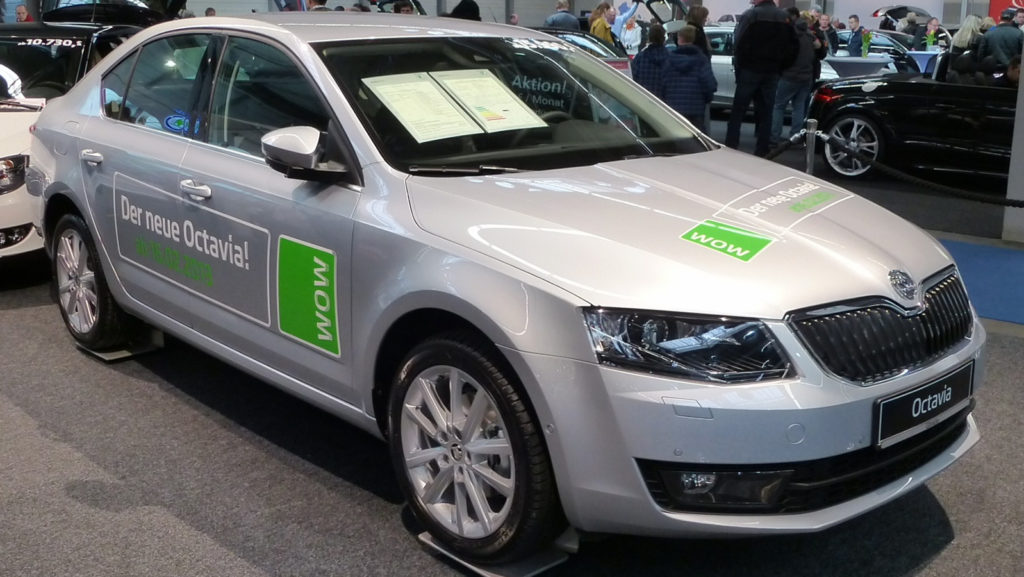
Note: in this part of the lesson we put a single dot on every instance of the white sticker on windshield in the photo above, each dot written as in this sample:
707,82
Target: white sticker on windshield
422,106
491,103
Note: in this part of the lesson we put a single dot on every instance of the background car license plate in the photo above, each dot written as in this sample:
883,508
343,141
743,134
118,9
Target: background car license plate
906,414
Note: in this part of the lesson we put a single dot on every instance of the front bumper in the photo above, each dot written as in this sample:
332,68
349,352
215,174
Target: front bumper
612,434
17,233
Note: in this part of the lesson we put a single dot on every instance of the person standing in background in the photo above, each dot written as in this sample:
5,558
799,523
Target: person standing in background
824,25
600,22
968,37
698,17
632,37
856,42
682,79
766,44
562,18
795,81
1003,41
22,15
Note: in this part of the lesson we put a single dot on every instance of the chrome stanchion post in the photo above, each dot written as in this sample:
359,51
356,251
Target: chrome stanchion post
812,139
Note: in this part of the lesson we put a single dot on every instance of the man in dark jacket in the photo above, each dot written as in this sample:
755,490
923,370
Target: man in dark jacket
766,45
1003,41
795,83
856,42
562,18
825,28
682,79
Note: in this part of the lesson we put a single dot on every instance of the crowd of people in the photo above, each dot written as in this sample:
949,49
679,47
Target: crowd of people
777,54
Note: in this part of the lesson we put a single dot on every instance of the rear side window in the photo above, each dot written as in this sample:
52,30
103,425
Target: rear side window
260,89
154,88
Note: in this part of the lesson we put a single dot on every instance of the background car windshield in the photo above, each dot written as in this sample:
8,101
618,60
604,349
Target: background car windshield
516,103
47,67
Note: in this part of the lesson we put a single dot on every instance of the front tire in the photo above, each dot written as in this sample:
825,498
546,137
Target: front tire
86,305
468,453
861,135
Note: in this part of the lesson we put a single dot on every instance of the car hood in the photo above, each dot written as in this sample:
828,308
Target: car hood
713,233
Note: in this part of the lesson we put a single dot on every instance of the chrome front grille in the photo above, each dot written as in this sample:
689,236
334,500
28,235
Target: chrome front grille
869,341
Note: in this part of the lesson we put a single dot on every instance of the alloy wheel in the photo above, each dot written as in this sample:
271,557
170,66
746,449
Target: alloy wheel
76,282
458,456
859,135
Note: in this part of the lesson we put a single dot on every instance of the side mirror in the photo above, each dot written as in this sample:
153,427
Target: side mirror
293,146
298,152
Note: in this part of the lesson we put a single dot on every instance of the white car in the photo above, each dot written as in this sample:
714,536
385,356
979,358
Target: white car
562,306
38,61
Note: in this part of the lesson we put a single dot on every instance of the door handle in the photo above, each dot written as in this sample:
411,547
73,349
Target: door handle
91,156
196,191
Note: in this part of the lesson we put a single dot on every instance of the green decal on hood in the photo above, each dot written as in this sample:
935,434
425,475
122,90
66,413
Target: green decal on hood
727,239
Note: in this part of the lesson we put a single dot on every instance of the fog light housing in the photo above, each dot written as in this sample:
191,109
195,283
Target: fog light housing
711,490
14,235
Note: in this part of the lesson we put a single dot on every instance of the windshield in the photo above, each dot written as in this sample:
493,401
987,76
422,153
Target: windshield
46,67
502,103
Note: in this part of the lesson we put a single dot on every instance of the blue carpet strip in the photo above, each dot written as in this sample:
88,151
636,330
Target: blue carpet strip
995,278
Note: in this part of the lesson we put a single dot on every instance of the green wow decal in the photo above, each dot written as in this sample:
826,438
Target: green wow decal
727,239
307,298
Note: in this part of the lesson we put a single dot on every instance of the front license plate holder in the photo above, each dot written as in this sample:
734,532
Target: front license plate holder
907,413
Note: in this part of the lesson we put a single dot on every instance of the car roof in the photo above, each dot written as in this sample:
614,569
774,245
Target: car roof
56,30
326,26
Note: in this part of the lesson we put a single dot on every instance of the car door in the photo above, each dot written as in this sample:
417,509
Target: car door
130,153
276,249
965,125
721,64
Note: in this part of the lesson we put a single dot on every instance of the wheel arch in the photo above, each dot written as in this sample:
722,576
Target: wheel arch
58,203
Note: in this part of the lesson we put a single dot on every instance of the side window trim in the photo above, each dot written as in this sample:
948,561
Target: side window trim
337,141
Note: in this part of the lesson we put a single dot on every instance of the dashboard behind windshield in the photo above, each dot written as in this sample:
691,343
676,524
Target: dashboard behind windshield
521,104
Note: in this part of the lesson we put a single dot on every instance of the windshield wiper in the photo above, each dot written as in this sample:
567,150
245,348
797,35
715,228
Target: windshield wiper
482,169
14,103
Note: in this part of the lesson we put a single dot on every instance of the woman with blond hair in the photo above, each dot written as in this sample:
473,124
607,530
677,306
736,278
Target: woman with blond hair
967,37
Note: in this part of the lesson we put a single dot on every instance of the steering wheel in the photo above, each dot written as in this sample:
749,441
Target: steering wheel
48,89
550,117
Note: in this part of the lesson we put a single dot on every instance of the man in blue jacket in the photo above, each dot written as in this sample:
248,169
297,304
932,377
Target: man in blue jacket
562,18
766,45
682,79
1002,42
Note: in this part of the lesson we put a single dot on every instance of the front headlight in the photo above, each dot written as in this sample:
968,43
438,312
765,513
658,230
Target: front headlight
721,350
12,172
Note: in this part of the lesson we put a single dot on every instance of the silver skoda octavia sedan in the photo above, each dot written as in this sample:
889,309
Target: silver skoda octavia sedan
562,306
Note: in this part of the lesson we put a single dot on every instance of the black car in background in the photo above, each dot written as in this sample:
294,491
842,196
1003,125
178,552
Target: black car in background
50,58
917,122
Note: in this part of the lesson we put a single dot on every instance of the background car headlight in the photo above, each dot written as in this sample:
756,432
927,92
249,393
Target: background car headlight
12,172
720,350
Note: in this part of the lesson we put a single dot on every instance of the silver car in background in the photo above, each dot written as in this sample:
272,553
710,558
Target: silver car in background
562,306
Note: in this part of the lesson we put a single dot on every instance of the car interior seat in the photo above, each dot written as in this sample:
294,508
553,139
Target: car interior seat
962,70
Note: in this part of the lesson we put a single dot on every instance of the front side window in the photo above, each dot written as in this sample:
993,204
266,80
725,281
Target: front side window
454,104
259,89
155,88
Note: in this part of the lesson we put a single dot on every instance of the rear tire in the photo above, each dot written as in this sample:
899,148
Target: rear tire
468,453
86,305
860,134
